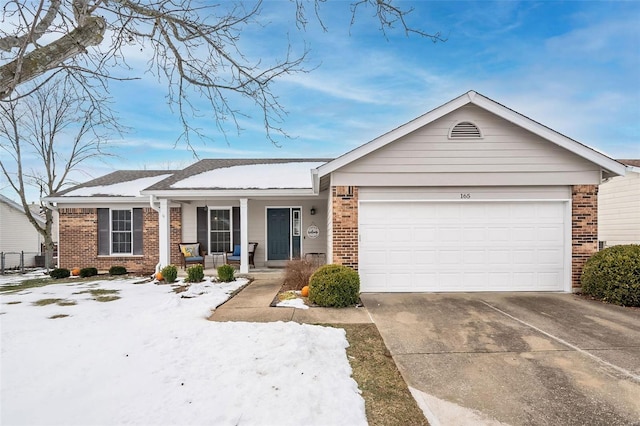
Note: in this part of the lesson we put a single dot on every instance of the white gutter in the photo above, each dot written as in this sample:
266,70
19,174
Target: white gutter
232,193
96,200
49,205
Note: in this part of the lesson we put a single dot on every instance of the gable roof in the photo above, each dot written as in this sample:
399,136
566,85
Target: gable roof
472,97
15,206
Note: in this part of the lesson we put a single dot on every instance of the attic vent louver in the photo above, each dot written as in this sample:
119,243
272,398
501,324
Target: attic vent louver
465,129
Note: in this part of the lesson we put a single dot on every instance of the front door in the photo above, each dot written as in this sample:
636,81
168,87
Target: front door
279,234
283,233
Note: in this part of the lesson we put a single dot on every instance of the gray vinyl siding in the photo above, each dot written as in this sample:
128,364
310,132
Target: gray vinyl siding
619,210
427,157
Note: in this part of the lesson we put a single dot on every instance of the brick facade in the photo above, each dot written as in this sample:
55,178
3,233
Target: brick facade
78,245
345,225
584,228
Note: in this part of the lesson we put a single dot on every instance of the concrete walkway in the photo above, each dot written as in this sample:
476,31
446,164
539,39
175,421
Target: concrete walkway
252,305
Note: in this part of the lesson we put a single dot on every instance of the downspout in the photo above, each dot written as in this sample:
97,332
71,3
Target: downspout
152,204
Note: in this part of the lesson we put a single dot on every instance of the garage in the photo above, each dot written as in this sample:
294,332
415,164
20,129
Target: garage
445,246
470,196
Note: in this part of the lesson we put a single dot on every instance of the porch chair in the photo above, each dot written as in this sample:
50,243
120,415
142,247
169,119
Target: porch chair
192,254
234,258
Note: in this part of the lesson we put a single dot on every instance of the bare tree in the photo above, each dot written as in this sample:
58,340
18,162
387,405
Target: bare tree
195,48
54,129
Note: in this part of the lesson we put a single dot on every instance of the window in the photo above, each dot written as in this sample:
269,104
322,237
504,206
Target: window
220,229
296,223
120,231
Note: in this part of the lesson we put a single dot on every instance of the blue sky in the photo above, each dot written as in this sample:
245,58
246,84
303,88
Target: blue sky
573,66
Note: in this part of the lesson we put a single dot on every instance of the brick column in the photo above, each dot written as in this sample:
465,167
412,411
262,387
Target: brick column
175,234
345,225
584,228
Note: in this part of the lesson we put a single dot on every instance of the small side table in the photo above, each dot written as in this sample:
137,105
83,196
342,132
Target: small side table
221,256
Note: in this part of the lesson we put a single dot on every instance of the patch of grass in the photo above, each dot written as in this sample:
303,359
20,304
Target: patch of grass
15,302
287,295
27,284
101,294
386,396
45,302
107,298
102,291
58,316
59,302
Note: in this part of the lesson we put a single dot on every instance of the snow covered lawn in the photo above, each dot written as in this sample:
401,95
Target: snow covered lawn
150,357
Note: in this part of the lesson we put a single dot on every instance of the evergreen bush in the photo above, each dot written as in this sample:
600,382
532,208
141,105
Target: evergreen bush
613,275
334,286
117,270
60,273
169,273
226,273
195,274
88,272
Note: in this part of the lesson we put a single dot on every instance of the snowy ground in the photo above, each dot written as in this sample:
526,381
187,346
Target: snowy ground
152,358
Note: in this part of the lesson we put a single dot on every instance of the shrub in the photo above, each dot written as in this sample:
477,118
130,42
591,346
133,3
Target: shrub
297,274
88,272
60,273
334,285
613,275
195,274
117,270
226,273
169,273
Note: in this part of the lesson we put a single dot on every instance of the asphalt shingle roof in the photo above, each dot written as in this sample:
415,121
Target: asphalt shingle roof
634,163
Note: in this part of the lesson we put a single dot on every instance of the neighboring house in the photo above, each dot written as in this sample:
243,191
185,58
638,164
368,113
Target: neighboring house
471,196
619,207
18,235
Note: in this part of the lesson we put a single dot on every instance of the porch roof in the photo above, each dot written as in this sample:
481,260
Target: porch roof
225,176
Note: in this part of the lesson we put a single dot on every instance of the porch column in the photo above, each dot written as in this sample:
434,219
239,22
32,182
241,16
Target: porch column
164,223
244,237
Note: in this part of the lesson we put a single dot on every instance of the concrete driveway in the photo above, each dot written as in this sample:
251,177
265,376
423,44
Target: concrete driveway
514,358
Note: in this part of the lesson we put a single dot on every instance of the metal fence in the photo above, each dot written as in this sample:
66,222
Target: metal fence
23,260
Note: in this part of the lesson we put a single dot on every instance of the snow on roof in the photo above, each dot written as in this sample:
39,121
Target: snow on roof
130,188
254,176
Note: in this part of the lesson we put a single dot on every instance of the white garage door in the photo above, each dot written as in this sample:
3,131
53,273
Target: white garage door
476,246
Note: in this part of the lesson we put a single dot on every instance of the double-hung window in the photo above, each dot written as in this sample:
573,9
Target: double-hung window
220,230
120,231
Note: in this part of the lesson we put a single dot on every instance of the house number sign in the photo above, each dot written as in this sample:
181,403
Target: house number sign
313,231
